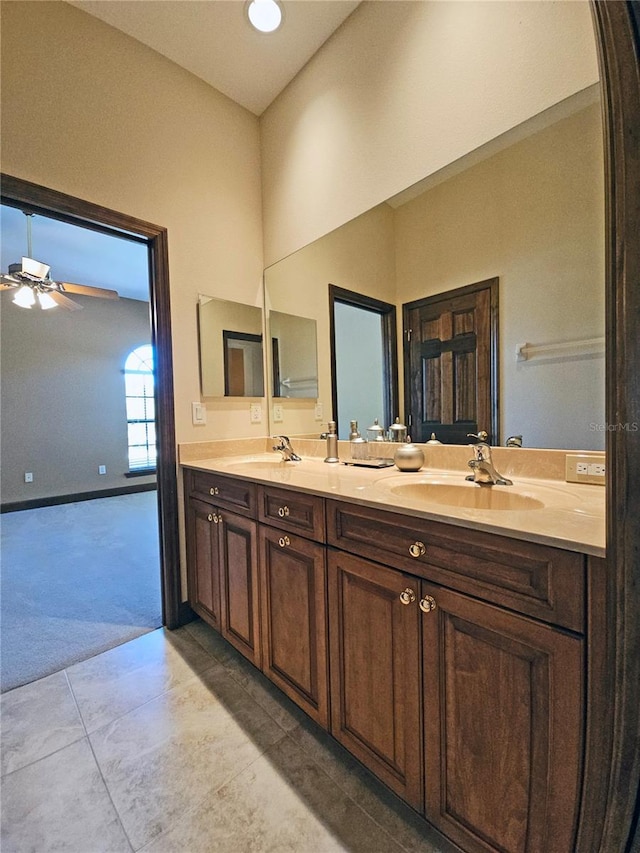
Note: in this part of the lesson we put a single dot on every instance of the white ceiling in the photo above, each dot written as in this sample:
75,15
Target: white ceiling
214,40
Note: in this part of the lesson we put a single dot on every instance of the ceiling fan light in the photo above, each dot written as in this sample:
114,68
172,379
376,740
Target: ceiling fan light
24,297
264,15
46,301
35,268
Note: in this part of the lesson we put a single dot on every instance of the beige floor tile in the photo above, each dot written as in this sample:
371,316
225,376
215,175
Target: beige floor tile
60,803
121,679
178,749
37,720
282,803
411,832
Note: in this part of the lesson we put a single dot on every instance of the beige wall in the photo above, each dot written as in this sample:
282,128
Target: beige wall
401,90
91,112
63,396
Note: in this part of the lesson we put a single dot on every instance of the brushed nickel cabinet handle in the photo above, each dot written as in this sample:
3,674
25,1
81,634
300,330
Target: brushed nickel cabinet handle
407,596
427,604
283,511
210,517
283,541
214,490
418,549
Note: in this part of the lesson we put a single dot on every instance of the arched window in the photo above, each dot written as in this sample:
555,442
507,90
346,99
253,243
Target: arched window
141,415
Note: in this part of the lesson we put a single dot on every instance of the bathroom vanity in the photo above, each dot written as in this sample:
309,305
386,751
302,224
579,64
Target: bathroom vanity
450,652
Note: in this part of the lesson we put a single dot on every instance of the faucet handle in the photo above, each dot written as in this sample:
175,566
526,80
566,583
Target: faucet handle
481,436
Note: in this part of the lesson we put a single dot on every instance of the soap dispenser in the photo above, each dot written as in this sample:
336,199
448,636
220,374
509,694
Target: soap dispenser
332,442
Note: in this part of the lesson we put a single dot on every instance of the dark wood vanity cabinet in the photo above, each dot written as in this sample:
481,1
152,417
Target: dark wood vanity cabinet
293,597
470,710
451,662
222,558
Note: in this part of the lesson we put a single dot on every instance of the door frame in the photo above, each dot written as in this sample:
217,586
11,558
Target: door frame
17,192
387,312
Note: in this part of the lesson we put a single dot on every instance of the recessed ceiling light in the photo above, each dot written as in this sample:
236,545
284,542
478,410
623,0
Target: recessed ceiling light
265,15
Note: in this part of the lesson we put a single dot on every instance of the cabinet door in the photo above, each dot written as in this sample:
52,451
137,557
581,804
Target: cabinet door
239,592
375,670
294,619
502,717
203,566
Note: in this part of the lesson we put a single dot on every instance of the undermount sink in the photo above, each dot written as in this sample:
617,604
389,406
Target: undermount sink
469,497
263,465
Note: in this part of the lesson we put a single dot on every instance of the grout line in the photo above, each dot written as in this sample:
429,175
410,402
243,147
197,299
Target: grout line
106,787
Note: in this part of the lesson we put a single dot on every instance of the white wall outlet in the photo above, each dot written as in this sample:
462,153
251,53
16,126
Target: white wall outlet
587,468
28,477
318,412
278,414
102,469
198,414
255,413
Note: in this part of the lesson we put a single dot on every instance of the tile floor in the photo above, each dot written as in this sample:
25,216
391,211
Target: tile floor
173,742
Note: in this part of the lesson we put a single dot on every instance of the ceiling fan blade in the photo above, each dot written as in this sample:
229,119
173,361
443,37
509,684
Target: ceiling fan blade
6,285
63,302
87,290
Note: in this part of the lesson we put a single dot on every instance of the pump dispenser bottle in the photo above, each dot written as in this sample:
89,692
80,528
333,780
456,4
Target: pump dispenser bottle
332,443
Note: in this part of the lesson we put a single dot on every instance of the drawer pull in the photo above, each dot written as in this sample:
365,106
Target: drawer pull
214,490
283,511
407,596
417,549
427,604
283,541
210,517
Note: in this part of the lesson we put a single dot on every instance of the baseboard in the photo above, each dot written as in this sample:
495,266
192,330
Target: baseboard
35,503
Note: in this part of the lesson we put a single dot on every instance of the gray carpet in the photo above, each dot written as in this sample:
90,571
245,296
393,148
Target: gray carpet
76,579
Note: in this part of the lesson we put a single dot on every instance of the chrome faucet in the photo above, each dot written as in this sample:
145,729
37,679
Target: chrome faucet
284,446
484,474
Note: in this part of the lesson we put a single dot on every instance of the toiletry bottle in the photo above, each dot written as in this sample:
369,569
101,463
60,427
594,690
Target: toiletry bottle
358,445
332,443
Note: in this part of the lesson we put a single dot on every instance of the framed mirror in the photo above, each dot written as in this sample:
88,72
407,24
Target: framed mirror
230,348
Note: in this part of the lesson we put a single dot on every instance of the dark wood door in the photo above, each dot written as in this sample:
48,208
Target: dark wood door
294,614
375,671
502,725
450,360
239,591
202,543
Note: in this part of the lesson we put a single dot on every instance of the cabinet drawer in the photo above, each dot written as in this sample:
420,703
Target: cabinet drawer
538,580
239,495
295,512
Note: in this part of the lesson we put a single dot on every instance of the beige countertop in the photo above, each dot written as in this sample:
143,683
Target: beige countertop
548,511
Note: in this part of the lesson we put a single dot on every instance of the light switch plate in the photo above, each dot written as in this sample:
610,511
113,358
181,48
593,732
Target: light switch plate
198,414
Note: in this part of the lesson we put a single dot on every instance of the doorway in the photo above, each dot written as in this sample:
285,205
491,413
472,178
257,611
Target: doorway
364,367
40,200
451,364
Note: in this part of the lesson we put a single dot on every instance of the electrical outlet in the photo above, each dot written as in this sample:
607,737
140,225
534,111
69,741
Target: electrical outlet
278,414
585,469
28,477
102,469
318,412
255,413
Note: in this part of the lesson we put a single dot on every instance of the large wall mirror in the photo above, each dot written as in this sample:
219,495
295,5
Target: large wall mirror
294,355
527,209
231,348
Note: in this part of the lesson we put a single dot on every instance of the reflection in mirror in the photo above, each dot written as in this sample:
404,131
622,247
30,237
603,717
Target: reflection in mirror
527,209
231,352
294,356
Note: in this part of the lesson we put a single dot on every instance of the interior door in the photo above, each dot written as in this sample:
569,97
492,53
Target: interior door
450,362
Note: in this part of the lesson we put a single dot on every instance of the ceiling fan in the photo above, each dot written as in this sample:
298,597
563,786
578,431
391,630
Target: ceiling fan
35,285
